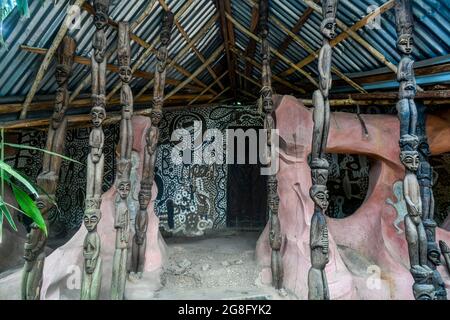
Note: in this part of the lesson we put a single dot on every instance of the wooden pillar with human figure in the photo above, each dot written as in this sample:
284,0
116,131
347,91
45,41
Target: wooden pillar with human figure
48,179
266,103
92,268
123,169
318,240
152,137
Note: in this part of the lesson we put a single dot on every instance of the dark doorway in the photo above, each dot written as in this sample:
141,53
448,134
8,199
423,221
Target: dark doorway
246,191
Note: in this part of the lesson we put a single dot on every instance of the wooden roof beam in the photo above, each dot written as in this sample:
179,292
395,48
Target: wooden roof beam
348,32
224,7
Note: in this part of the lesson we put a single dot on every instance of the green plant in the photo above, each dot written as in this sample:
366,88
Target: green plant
24,189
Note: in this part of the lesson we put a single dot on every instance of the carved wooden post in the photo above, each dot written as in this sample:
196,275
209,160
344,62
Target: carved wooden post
425,179
416,203
49,176
92,271
407,112
269,124
152,136
317,281
123,184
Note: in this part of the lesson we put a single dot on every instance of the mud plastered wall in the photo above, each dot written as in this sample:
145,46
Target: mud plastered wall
199,192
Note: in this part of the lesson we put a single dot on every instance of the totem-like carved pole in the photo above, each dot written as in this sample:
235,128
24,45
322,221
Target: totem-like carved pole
49,176
92,270
416,205
123,184
152,137
425,179
273,200
317,281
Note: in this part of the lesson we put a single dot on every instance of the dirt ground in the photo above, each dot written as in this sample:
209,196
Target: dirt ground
215,266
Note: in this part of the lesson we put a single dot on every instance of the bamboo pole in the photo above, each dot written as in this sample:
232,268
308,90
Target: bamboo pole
47,60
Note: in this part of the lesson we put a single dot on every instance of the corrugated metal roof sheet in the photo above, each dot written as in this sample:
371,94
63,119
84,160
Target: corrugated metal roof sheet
18,68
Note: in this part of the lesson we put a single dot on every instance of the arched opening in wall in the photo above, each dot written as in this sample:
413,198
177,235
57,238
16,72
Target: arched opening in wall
441,189
348,183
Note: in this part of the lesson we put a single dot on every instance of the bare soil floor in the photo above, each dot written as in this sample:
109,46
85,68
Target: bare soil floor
216,266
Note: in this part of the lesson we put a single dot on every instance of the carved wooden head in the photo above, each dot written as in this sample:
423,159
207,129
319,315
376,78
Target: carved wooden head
410,159
98,114
123,188
156,116
328,25
319,194
405,26
91,218
433,253
101,16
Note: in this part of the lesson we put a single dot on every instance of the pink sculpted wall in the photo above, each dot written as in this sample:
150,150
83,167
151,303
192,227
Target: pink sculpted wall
63,268
368,256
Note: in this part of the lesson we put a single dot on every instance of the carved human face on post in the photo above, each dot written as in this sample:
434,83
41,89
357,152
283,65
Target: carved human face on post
405,26
319,194
433,253
101,17
98,114
328,28
62,74
155,116
328,25
405,44
44,204
125,73
123,188
91,218
410,159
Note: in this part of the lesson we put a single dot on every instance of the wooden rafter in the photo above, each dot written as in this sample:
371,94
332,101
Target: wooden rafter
224,7
86,101
210,60
274,51
110,67
349,32
295,30
206,89
251,47
147,45
184,51
190,43
241,54
47,60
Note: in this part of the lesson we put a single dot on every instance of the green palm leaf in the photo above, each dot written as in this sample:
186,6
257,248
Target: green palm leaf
29,208
13,173
4,211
